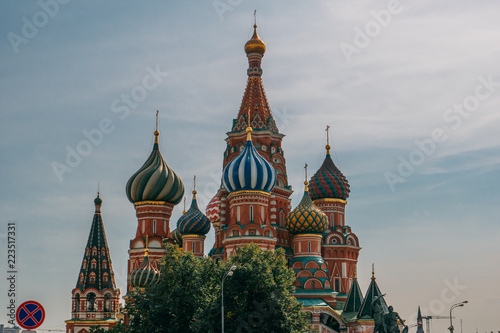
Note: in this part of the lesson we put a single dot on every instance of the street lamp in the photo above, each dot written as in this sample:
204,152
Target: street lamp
451,309
228,273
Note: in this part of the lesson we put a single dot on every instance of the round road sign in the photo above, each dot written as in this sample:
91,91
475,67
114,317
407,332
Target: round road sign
30,315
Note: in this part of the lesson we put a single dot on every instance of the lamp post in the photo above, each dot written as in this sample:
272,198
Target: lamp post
228,273
451,309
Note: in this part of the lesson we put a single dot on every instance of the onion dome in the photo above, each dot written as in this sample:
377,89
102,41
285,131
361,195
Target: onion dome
306,218
155,181
98,200
255,44
144,275
329,181
194,221
177,237
249,171
213,209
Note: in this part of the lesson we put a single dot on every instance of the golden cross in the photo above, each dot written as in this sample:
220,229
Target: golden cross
327,134
157,119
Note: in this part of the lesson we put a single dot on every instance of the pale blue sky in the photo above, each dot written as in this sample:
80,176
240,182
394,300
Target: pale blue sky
439,224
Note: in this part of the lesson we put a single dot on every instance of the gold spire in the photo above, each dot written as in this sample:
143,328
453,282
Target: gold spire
249,133
327,139
373,271
156,131
306,183
194,188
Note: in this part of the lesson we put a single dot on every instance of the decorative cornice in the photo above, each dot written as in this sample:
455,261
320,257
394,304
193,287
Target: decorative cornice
329,200
154,203
247,192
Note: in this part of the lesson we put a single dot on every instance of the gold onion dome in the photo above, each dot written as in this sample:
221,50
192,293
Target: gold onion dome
306,218
255,44
144,275
155,181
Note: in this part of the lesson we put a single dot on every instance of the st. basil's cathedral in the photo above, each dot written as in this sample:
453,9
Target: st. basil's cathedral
253,205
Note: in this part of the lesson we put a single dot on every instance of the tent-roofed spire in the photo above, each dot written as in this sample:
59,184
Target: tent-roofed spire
354,298
96,270
372,292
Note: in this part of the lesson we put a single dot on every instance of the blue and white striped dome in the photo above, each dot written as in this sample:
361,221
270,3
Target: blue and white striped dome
249,171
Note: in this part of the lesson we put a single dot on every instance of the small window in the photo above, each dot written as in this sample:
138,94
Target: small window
94,251
154,226
235,233
93,264
264,148
104,264
251,232
103,252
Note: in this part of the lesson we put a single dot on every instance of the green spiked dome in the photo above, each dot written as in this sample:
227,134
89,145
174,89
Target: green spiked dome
144,275
155,181
306,218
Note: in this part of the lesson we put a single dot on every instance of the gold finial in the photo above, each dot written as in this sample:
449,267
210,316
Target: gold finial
146,252
184,212
156,131
249,133
306,182
194,188
327,139
373,271
98,188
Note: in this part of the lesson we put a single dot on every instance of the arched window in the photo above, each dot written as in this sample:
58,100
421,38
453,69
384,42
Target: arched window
90,302
81,277
108,303
77,303
93,263
94,251
104,264
105,278
251,213
84,264
92,277
309,246
103,252
154,226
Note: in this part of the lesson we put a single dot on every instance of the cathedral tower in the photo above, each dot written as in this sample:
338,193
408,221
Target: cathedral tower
95,299
255,113
329,190
154,190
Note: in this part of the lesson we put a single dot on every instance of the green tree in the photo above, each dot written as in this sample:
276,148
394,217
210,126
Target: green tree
257,298
118,328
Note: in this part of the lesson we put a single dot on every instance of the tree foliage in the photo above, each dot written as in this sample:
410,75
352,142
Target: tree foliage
257,297
118,328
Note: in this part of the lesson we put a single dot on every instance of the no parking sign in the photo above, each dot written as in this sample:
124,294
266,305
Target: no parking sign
30,315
